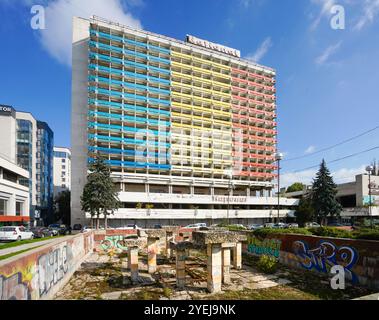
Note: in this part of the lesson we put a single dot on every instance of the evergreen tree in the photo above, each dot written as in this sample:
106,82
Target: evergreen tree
99,194
305,212
63,207
323,195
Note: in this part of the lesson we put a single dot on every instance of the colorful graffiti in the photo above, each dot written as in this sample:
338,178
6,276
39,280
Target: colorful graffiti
12,288
35,275
325,256
114,242
269,247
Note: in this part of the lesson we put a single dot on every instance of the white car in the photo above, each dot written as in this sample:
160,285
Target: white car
15,234
196,226
130,227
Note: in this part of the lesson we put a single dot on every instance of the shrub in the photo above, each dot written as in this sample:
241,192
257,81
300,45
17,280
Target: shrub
267,264
330,232
366,234
266,231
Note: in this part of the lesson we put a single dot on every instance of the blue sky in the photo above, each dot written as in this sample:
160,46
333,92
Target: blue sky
328,79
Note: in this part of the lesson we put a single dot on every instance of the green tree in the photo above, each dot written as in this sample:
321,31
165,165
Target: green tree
100,193
305,212
323,195
63,207
297,186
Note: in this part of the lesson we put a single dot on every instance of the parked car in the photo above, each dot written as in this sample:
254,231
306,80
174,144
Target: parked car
42,232
62,229
15,234
77,227
292,225
269,225
86,229
131,227
255,226
279,225
157,226
312,225
238,226
196,226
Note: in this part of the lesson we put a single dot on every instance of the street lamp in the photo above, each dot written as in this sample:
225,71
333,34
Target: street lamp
370,169
278,156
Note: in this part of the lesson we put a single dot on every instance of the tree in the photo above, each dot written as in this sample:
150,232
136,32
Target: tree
297,186
305,212
100,193
323,195
63,207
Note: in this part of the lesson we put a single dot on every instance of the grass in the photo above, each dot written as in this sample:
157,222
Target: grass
19,243
9,255
275,293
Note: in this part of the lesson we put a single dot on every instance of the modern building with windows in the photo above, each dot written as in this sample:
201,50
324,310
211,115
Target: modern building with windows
28,143
14,195
187,127
62,170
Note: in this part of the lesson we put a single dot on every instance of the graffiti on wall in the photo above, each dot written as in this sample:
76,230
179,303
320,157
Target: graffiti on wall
51,268
12,288
36,275
269,247
113,243
326,255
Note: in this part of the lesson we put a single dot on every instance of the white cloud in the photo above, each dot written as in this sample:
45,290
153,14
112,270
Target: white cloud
340,176
370,11
57,37
310,149
324,57
261,51
326,6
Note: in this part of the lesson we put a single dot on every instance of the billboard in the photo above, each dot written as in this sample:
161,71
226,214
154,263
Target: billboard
214,46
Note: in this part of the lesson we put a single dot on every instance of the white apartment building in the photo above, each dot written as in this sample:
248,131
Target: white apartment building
14,196
62,170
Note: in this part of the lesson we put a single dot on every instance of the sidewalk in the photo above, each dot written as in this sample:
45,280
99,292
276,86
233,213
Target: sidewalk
25,246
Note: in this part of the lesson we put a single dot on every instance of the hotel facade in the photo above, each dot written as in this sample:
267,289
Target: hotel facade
187,127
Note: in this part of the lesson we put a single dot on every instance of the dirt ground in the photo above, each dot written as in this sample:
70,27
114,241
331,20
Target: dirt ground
106,277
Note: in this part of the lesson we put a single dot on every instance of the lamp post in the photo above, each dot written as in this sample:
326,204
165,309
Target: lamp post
369,170
278,157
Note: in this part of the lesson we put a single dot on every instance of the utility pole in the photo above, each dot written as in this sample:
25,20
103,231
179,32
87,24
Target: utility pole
370,169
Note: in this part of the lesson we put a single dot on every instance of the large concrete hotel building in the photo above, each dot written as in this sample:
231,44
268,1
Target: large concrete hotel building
188,127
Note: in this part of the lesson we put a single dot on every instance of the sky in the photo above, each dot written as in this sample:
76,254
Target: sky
327,77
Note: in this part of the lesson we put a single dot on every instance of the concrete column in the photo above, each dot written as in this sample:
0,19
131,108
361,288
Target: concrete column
169,238
237,256
214,266
152,250
226,265
181,268
133,263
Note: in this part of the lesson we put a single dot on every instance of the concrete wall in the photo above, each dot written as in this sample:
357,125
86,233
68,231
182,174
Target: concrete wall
79,108
360,258
40,273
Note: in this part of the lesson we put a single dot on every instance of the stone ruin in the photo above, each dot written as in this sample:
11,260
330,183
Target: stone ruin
223,249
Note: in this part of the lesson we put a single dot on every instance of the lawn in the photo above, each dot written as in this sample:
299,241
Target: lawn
9,255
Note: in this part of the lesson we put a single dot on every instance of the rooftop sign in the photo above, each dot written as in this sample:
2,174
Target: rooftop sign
213,46
7,110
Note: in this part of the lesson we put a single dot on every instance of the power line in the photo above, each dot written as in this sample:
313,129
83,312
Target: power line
336,160
331,147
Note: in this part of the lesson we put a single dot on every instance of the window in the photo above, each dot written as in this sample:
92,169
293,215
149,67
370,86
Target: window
3,207
63,167
19,207
63,160
63,186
